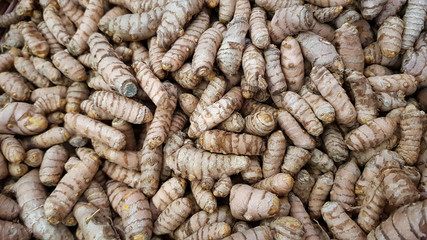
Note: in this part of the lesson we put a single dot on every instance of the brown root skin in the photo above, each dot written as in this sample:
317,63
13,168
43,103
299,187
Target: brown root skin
266,202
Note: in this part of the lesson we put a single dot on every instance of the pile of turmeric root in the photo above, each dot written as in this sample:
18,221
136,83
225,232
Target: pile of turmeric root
213,119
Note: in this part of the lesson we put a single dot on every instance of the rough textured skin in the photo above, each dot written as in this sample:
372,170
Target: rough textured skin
205,51
72,11
95,112
343,189
13,38
326,14
186,77
176,14
319,194
320,161
96,195
13,231
222,187
130,177
340,224
150,162
273,155
411,133
240,226
52,165
49,103
260,232
330,89
295,159
179,120
231,143
39,92
26,68
364,96
201,219
133,208
188,103
414,20
285,228
390,36
155,54
33,157
299,108
47,69
253,173
173,216
321,108
393,83
376,70
371,8
370,134
159,127
253,65
34,39
61,201
105,20
413,213
372,205
69,66
273,5
9,208
139,6
373,55
21,118
280,184
298,212
127,129
260,123
229,55
168,192
364,156
330,3
31,196
215,113
398,188
17,169
7,59
349,47
135,112
204,198
318,51
115,73
251,204
126,159
213,92
55,24
89,24
92,225
8,19
196,164
334,143
294,131
88,127
389,101
274,75
76,93
14,85
258,28
413,63
151,84
214,231
226,10
184,46
290,21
